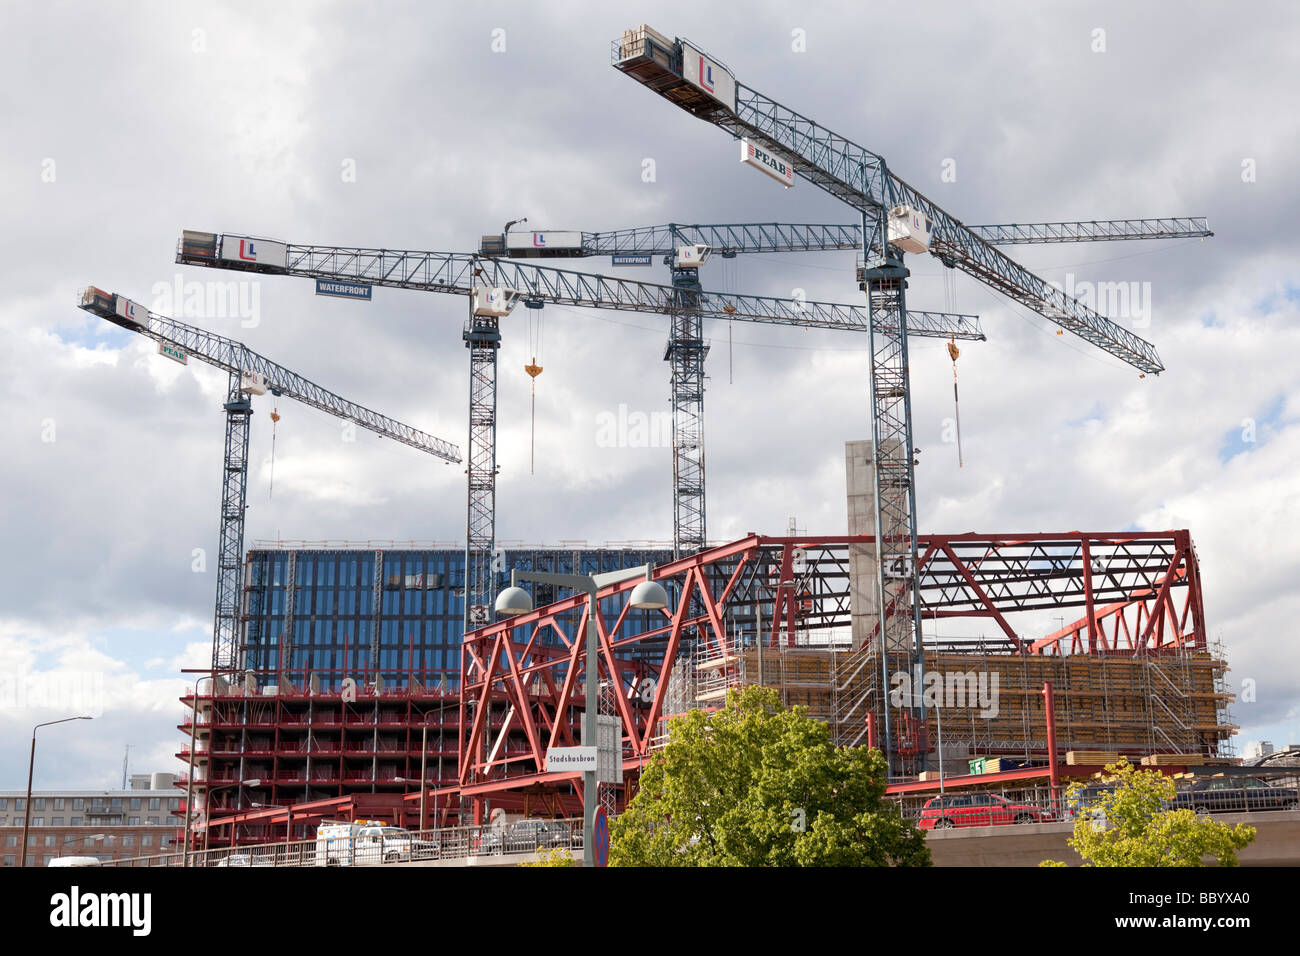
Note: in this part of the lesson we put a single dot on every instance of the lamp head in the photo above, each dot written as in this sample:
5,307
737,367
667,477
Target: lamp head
649,595
514,600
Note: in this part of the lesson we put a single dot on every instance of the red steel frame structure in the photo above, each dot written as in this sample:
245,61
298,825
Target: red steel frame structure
520,691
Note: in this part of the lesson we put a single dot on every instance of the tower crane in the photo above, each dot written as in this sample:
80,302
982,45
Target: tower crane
250,374
493,287
896,219
685,248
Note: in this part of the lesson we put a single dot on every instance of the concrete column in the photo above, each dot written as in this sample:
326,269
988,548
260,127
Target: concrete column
859,472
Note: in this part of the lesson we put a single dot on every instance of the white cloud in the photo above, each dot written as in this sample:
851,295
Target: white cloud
451,140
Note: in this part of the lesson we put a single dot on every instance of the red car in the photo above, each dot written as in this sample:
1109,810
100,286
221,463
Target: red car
976,810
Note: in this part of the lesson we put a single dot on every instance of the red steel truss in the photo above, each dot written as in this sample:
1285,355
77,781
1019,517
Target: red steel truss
521,688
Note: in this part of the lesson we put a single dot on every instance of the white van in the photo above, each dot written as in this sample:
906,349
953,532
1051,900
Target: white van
75,861
361,842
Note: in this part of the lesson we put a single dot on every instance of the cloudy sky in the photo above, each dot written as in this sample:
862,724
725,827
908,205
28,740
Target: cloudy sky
420,126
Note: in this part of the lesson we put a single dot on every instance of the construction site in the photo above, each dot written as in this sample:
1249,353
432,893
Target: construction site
376,680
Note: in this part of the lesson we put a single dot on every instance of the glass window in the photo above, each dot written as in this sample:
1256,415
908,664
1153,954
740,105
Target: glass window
115,803
49,839
38,803
4,803
78,804
9,860
135,803
76,821
155,803
128,839
45,860
89,841
38,821
11,840
153,821
97,803
56,821
58,803
133,821
175,803
146,839
31,839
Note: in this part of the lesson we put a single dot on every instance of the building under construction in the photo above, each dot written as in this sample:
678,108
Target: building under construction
357,685
1114,621
349,689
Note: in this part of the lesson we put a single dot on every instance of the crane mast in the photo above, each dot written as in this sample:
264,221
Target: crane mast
249,374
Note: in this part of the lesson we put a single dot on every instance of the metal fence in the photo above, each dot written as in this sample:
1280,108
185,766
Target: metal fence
449,843
1213,791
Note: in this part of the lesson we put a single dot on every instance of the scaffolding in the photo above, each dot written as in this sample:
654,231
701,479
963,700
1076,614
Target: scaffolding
992,699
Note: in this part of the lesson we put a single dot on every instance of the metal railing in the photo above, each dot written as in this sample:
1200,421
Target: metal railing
1206,792
448,843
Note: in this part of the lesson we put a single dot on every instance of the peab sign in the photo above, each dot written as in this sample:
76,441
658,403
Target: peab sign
754,155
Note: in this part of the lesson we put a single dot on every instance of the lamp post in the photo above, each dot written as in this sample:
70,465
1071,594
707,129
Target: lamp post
31,766
207,828
189,780
647,594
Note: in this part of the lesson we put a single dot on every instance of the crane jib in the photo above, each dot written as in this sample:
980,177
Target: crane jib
860,178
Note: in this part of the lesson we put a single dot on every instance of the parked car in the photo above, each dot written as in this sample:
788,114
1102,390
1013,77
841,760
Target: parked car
976,810
487,840
527,835
1233,795
242,859
1087,803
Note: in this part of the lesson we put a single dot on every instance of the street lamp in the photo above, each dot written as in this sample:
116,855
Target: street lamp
207,810
648,594
31,765
424,755
189,780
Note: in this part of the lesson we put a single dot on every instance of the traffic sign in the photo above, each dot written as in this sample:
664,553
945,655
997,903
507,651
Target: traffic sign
569,759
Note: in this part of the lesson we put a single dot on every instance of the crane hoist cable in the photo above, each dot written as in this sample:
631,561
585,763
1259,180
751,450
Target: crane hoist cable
950,297
956,409
533,370
275,420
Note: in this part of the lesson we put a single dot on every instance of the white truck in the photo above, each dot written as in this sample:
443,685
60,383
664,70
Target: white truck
361,843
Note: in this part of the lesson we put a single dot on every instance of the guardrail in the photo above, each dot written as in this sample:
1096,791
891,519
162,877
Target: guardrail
448,843
1208,792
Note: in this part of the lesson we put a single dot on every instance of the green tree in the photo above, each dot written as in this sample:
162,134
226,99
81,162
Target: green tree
554,857
1129,825
759,784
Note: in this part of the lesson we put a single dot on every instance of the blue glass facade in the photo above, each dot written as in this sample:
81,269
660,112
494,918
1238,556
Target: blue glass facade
392,614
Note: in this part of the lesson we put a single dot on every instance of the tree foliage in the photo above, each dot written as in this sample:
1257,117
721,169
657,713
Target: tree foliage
554,857
759,784
1129,825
